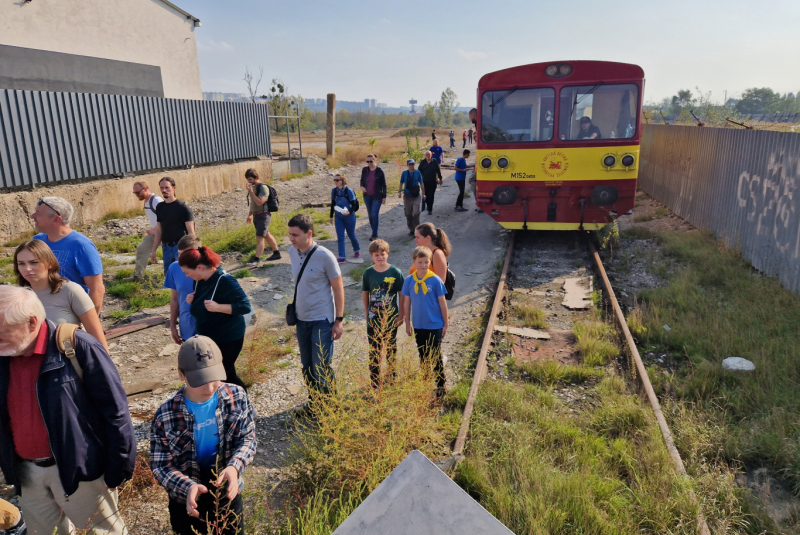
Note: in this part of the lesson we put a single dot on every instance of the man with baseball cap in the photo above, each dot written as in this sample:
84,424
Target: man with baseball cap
411,184
203,437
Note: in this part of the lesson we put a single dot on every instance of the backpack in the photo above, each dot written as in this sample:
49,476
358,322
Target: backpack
413,190
272,200
66,343
354,205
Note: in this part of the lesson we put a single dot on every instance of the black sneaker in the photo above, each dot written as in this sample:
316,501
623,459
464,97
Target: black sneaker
276,255
373,238
430,212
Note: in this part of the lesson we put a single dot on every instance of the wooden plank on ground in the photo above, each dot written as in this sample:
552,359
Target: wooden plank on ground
522,331
578,293
135,326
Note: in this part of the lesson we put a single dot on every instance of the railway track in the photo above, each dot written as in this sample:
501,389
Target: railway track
557,255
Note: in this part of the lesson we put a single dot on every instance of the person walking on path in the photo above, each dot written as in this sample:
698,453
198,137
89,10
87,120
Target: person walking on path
175,220
64,301
461,177
216,425
430,171
437,151
257,197
410,191
218,305
425,310
379,288
78,258
452,136
180,287
469,135
464,137
151,200
319,304
66,437
343,216
435,239
373,187
433,135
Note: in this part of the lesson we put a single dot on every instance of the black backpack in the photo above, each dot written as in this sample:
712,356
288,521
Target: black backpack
354,205
272,200
412,189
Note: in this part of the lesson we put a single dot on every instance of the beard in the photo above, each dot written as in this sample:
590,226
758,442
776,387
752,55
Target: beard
16,346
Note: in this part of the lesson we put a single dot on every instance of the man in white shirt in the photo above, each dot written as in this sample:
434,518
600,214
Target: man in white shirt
151,200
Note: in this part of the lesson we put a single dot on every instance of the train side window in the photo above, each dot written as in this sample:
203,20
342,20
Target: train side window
599,111
517,115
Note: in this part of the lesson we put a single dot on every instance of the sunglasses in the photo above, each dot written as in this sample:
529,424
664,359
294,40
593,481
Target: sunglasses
337,179
370,161
42,201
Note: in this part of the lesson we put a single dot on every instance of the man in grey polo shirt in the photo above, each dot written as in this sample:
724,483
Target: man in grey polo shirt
319,303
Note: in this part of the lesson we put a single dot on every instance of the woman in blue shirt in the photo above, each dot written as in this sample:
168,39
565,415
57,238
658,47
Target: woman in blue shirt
218,305
343,215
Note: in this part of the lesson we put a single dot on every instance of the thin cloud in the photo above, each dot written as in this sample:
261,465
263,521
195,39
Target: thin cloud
210,44
470,55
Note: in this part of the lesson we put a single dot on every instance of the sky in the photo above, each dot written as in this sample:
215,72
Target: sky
395,51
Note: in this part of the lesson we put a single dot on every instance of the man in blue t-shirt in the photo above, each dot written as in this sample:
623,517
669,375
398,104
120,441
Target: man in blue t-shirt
436,151
461,177
78,258
181,286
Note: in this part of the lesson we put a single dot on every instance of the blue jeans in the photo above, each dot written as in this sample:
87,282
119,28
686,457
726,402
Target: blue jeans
373,204
170,255
346,223
316,353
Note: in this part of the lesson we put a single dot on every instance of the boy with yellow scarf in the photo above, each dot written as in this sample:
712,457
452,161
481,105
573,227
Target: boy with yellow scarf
425,307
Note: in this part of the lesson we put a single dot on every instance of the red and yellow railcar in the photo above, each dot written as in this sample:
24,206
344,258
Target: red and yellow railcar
558,143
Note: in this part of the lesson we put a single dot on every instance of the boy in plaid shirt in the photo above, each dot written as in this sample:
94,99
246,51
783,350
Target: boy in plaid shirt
208,425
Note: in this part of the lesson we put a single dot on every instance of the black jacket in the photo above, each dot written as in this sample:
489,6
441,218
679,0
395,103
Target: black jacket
380,181
88,421
430,171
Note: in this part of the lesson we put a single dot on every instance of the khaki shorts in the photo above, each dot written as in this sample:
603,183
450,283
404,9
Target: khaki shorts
261,220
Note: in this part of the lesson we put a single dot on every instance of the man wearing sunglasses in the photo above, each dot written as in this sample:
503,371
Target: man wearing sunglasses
78,258
373,184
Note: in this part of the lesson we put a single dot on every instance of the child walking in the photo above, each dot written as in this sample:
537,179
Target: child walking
343,215
425,306
207,426
379,288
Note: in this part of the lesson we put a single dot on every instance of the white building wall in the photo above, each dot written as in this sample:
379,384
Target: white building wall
140,31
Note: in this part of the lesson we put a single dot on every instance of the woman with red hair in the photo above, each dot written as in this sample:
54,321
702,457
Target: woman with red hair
218,305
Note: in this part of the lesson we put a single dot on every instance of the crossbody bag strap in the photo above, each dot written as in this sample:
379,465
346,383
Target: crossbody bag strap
217,284
302,269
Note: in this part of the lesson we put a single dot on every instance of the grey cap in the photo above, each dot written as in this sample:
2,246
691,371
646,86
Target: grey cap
411,161
200,360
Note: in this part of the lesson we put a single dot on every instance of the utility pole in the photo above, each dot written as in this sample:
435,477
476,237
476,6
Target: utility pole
330,132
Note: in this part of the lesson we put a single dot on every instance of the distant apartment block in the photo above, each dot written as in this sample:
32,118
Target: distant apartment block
130,47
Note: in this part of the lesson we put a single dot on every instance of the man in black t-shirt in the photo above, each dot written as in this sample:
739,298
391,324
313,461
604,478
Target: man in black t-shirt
588,130
175,220
430,170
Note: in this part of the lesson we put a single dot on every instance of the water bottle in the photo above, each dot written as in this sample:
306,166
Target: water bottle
613,135
629,131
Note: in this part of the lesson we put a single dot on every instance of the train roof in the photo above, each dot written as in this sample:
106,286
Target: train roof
534,74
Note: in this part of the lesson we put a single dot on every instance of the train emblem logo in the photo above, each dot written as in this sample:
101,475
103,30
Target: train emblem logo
555,164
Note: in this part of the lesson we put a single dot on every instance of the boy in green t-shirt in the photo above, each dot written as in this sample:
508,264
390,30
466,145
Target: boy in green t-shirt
380,285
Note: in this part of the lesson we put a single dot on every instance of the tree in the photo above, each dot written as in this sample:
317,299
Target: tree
683,99
758,100
447,104
429,118
253,82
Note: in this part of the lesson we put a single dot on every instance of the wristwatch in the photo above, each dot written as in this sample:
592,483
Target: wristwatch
338,318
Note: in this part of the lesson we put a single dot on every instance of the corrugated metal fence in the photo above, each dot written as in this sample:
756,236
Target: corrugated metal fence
741,184
47,137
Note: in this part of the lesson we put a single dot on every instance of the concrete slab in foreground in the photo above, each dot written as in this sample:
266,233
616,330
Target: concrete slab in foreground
419,499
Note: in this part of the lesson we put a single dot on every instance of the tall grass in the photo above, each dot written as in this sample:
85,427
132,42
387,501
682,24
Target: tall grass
596,341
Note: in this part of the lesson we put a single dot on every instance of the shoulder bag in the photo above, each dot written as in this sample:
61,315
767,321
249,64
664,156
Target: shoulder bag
291,312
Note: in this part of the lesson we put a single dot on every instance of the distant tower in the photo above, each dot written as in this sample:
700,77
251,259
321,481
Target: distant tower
413,101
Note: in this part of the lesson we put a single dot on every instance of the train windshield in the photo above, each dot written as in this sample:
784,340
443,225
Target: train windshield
600,111
517,115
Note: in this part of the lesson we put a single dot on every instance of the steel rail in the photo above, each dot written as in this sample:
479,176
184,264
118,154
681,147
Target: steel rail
480,367
702,526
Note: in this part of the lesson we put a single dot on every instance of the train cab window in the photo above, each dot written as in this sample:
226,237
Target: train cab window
600,111
517,115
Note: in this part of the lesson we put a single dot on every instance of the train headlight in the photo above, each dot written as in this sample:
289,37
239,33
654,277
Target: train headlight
565,70
558,70
628,160
502,163
486,163
504,196
604,195
551,70
609,160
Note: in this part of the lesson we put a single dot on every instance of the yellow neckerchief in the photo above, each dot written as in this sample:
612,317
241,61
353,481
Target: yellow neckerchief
421,282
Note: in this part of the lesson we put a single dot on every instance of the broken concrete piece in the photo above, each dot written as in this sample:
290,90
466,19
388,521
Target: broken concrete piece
419,499
738,364
277,297
522,331
293,389
349,281
169,350
356,260
577,293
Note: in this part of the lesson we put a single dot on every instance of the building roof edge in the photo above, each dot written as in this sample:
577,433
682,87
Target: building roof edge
179,10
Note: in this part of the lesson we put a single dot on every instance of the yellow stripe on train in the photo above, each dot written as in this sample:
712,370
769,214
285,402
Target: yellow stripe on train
548,225
558,165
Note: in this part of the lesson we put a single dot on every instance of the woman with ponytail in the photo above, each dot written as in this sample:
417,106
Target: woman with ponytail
435,239
218,305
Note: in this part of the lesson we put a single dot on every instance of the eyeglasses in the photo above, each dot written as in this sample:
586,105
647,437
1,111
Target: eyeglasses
137,192
42,201
370,161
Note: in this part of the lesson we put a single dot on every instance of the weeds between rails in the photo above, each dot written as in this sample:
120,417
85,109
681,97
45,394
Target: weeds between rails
559,448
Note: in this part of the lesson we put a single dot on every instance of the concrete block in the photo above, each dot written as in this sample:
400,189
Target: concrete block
419,499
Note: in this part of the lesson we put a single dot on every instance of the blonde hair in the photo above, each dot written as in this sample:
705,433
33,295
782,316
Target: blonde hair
44,255
422,251
18,305
379,246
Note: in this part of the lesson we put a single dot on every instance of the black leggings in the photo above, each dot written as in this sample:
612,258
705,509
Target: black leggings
460,199
430,193
230,352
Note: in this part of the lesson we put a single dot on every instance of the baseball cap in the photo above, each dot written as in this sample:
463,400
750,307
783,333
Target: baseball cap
200,360
410,161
